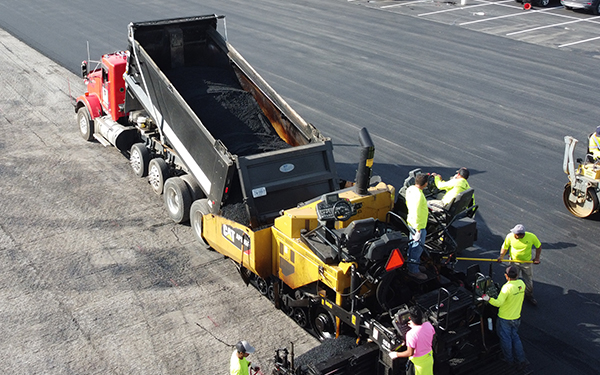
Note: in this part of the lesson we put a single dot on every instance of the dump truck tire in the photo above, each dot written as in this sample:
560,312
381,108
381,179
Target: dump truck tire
86,125
158,173
178,199
139,157
197,211
194,187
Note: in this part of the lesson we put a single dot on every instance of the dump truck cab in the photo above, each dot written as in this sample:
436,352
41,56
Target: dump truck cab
106,85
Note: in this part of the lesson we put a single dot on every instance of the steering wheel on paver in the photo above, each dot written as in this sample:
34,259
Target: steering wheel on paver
342,210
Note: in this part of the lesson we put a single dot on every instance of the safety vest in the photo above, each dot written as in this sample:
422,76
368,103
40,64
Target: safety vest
510,300
453,187
520,248
417,208
238,366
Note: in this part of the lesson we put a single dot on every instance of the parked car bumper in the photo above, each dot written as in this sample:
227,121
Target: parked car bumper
577,5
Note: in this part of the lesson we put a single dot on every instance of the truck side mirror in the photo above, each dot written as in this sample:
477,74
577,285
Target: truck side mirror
84,69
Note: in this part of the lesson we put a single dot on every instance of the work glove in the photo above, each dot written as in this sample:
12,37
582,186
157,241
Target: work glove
417,236
393,355
485,297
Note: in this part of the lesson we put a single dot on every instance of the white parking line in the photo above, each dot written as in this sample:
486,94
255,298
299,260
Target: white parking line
400,4
581,41
545,27
504,3
486,3
507,16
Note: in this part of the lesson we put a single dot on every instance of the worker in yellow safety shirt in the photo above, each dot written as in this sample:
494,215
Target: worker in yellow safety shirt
452,187
510,304
594,144
239,363
520,244
417,221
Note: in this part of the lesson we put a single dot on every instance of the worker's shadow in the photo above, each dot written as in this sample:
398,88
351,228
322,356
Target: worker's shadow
557,245
569,321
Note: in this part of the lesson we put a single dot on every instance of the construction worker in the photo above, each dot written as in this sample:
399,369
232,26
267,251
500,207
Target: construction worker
417,220
419,341
510,304
520,244
239,364
594,144
452,187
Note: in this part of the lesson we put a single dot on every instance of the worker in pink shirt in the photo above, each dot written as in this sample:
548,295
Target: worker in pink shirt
418,344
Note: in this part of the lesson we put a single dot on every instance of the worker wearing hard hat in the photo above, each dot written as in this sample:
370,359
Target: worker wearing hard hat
520,244
239,362
452,188
594,144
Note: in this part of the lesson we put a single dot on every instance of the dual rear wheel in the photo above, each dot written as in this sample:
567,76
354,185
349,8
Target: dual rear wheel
179,192
139,158
158,173
180,195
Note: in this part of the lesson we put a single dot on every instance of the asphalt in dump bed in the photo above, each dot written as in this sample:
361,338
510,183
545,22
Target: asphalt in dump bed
226,110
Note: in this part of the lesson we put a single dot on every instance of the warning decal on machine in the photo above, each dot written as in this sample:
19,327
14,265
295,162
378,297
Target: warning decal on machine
237,237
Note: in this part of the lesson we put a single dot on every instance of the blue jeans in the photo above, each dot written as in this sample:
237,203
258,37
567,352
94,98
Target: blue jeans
415,250
509,340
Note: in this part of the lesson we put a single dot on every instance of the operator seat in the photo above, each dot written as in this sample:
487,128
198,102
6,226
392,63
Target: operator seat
460,203
357,233
453,229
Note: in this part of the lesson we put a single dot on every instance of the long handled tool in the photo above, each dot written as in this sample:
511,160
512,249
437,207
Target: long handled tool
491,260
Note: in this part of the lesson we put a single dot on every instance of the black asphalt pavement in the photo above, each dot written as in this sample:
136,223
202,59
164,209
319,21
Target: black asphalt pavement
432,96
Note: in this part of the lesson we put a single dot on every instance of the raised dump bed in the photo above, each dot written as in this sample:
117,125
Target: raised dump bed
229,129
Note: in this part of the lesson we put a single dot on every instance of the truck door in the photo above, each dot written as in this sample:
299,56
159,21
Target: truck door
104,92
